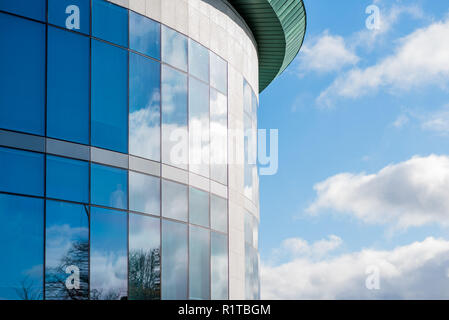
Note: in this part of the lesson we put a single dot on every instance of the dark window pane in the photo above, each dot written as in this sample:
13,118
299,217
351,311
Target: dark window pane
174,48
198,207
144,193
219,266
218,136
34,9
67,179
218,213
21,172
174,260
68,92
110,22
67,251
22,76
218,73
109,186
198,127
144,35
174,118
198,61
109,97
22,247
71,14
108,254
144,258
144,107
174,200
199,267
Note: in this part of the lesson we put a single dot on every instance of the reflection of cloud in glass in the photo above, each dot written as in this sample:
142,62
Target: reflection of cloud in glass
109,276
174,200
174,48
218,136
144,193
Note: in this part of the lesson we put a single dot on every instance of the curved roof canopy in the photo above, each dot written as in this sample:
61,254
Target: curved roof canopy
279,27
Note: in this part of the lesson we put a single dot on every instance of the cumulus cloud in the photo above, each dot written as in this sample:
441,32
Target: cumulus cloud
293,247
437,121
420,59
410,193
415,271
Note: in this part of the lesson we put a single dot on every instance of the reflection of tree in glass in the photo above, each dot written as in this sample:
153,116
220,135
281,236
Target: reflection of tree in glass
28,290
144,274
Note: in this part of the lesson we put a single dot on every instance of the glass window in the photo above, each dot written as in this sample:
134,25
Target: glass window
21,172
219,266
248,151
22,77
174,118
144,193
22,247
144,35
198,127
199,265
174,200
247,98
108,254
248,228
218,136
32,9
144,107
199,207
174,48
144,258
109,186
218,213
67,179
218,73
67,251
174,260
110,22
252,285
198,61
71,14
109,97
68,92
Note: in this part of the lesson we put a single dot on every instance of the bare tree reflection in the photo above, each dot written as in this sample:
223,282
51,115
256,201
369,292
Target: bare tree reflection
144,274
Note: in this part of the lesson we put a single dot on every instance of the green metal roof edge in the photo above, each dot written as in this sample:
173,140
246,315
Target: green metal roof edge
279,27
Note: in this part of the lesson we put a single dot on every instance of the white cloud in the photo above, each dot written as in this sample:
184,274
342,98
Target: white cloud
326,53
410,193
414,271
437,122
401,121
299,247
420,59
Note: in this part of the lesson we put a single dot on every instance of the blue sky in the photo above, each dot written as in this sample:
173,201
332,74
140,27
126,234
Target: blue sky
363,119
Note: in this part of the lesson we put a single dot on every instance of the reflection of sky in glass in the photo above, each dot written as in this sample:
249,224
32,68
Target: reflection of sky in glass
109,186
198,61
110,22
21,245
198,127
144,35
144,193
33,9
218,73
174,260
144,107
219,266
174,48
108,254
218,213
198,207
174,200
174,115
218,136
199,269
252,286
67,239
58,16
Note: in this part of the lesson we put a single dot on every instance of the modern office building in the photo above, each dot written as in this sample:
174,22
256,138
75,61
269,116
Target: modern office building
128,142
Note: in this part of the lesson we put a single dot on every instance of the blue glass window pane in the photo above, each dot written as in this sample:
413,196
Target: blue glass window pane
199,207
34,9
67,179
144,258
22,76
68,91
22,247
219,266
144,193
218,73
109,97
109,186
174,118
144,107
66,250
174,48
108,254
199,265
110,22
144,35
21,172
71,14
198,61
174,260
174,200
